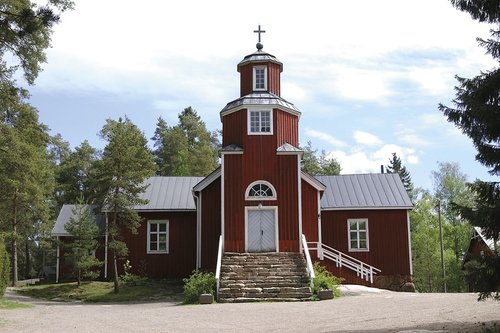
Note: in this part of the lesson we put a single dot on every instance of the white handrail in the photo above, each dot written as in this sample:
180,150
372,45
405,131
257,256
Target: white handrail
363,270
310,268
219,263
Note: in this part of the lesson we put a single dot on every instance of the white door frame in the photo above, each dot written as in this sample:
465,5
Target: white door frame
276,231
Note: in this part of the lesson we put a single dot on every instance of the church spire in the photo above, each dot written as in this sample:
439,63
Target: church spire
259,45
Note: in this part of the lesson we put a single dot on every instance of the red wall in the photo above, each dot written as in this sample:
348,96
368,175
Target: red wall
309,212
273,78
210,224
239,172
181,259
388,240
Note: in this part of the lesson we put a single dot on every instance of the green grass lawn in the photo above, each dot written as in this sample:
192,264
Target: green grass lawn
9,305
148,291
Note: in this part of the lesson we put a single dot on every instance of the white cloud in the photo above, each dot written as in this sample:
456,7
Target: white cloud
410,136
366,138
369,161
325,137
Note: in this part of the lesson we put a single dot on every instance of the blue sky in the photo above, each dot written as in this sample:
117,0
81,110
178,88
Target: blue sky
366,75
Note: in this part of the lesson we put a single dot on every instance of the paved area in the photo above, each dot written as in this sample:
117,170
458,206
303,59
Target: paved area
364,310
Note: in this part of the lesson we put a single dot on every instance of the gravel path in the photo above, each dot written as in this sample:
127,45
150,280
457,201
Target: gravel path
364,310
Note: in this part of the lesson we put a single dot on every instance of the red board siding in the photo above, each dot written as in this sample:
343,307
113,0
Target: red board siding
388,239
234,127
273,78
286,128
309,212
181,259
210,224
242,170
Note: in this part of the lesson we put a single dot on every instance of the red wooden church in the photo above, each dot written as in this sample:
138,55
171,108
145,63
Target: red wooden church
259,200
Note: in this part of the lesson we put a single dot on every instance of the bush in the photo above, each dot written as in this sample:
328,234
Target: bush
130,279
198,283
325,280
4,267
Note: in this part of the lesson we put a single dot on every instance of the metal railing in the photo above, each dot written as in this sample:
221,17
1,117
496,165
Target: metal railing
363,270
310,268
217,269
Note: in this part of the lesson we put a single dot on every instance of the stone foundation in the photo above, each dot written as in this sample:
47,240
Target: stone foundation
394,282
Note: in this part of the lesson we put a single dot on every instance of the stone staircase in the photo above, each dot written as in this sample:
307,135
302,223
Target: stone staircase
255,277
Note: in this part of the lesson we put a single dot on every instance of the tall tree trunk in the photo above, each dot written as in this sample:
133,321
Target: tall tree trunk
115,275
115,264
27,267
14,240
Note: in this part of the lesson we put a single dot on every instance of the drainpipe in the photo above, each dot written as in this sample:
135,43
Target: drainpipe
198,229
57,261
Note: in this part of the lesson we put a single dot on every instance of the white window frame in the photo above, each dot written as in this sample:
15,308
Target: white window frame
249,122
255,68
167,232
358,249
260,182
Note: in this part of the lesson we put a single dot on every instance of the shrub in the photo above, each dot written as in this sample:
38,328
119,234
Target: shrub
325,280
198,283
4,267
130,279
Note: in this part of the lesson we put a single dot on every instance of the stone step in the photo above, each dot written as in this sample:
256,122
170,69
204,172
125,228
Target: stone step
264,277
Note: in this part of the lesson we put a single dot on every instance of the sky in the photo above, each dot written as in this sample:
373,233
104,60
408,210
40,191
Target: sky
366,75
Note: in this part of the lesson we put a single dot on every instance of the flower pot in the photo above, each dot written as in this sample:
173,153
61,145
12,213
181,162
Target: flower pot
325,294
206,299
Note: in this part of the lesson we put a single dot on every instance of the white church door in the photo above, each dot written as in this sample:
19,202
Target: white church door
261,230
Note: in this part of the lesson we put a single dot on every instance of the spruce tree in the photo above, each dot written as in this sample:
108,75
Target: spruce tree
396,166
119,180
476,112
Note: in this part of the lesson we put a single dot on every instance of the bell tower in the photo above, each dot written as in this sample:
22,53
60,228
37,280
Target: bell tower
260,161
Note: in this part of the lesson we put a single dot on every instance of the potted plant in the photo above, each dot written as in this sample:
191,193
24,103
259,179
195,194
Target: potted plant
324,291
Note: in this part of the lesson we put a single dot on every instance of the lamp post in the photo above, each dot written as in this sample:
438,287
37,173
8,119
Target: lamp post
441,241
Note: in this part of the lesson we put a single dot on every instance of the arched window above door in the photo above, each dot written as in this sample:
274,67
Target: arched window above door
260,190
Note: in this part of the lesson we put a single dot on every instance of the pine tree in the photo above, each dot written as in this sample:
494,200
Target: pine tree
81,251
72,174
119,180
396,166
25,34
186,149
26,178
322,166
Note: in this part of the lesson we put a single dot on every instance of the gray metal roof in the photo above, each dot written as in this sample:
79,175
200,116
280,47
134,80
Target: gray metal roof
169,193
364,191
66,213
260,56
288,149
264,98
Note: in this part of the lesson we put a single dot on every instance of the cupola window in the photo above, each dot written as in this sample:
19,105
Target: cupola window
260,78
260,190
260,122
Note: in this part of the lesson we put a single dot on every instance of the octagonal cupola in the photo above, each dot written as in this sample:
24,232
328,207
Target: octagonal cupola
260,72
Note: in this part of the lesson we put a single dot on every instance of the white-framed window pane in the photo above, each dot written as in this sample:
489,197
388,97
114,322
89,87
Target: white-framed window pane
260,122
260,78
358,234
157,237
